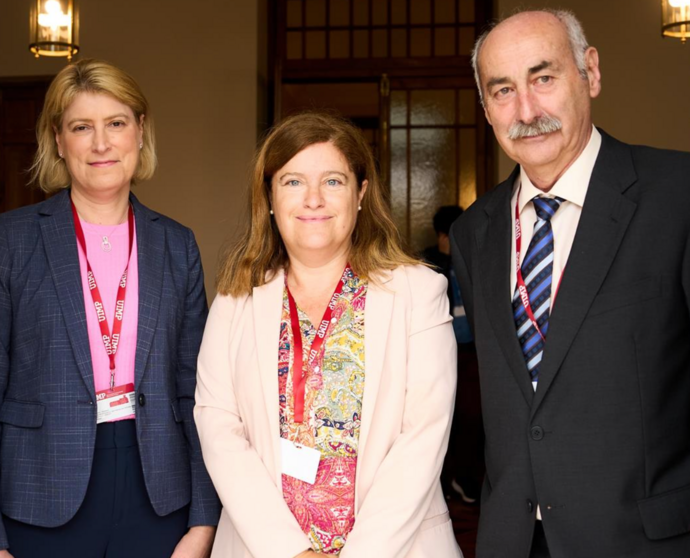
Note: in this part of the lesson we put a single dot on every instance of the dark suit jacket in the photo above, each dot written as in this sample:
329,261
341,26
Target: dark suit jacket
47,398
604,444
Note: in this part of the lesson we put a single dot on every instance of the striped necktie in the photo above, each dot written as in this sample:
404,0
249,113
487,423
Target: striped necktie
537,273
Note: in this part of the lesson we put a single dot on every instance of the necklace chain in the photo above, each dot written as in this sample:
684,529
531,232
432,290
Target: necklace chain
106,246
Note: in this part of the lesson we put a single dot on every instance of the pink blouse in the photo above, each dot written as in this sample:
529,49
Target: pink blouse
108,268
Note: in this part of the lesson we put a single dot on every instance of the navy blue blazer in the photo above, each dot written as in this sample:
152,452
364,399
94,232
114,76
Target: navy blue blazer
47,395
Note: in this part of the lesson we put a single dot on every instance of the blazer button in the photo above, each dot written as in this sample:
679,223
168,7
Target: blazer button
142,399
530,506
537,433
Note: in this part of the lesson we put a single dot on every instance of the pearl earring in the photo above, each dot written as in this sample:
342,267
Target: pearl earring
359,208
141,145
60,154
271,212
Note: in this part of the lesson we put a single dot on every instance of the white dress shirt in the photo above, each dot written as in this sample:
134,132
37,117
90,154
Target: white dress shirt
572,187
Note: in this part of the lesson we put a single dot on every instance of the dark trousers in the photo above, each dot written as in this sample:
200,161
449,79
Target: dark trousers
539,546
116,519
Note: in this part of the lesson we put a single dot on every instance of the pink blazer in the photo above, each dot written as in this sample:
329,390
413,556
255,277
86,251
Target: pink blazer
409,391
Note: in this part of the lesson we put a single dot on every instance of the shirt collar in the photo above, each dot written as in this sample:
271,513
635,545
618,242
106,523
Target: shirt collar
572,186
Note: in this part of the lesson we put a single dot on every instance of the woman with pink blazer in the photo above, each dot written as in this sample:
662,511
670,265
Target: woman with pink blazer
326,376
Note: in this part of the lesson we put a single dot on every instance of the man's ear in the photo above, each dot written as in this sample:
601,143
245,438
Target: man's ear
593,73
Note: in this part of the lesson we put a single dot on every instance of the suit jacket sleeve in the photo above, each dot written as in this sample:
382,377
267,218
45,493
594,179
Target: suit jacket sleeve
248,493
205,506
686,272
399,498
5,334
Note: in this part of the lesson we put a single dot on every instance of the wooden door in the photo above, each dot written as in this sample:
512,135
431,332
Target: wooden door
21,101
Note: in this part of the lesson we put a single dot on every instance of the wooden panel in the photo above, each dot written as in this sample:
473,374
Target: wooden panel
21,101
19,119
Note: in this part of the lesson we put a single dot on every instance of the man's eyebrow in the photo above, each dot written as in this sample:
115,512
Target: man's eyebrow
533,70
539,67
496,81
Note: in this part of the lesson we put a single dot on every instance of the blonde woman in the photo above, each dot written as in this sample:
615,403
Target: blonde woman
102,307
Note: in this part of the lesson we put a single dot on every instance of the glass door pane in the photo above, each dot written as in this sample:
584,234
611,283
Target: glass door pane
433,155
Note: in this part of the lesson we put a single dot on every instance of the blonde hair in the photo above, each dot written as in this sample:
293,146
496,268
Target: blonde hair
87,76
376,244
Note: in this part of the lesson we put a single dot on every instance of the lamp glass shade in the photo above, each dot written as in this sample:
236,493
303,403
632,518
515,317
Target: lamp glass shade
54,28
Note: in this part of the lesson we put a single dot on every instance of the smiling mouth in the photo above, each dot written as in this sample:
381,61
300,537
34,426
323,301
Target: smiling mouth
314,219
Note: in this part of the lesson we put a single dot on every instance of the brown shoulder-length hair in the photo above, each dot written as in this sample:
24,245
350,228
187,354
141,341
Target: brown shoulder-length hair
376,244
87,76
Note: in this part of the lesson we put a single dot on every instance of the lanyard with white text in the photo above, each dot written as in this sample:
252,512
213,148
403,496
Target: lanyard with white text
110,340
522,288
299,376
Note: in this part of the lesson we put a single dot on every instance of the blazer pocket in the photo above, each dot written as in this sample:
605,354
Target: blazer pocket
177,412
24,414
624,295
666,515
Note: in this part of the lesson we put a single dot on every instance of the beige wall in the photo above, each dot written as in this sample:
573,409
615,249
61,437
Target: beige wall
197,63
645,78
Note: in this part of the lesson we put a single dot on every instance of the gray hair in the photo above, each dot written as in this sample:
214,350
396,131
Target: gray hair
576,37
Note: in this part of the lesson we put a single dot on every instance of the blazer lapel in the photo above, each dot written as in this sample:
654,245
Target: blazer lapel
377,316
60,241
151,263
267,305
605,217
494,248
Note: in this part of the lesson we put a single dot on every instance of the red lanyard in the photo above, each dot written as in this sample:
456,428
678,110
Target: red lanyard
522,288
110,340
299,375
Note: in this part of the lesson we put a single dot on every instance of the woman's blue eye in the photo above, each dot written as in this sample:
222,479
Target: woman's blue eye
333,182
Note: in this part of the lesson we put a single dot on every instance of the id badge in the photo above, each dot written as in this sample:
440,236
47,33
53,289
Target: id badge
116,403
299,461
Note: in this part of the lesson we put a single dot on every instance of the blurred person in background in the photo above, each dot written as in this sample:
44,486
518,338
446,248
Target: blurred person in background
463,468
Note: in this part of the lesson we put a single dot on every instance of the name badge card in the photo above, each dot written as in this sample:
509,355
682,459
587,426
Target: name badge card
116,403
299,461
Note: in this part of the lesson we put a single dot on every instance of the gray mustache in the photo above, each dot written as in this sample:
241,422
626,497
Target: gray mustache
538,126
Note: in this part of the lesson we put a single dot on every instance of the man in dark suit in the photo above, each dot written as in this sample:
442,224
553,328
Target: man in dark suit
575,274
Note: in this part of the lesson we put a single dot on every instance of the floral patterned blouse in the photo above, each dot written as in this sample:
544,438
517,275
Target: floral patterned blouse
332,417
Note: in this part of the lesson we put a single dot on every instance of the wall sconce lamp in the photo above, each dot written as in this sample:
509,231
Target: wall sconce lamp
675,19
54,28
